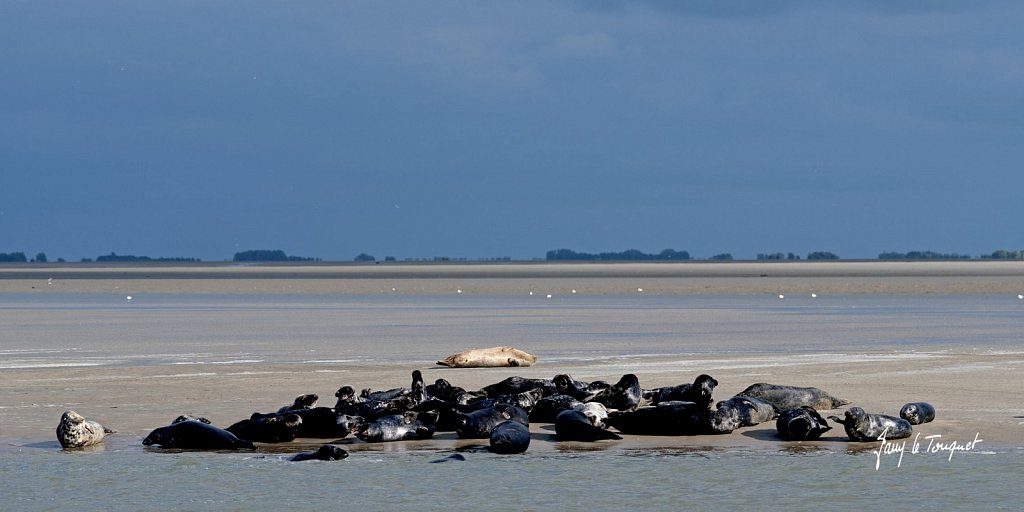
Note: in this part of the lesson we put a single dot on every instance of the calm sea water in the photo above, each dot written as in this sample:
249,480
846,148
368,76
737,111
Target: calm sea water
204,329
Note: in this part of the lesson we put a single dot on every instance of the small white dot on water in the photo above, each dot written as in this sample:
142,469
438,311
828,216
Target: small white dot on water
1019,296
574,291
639,289
814,295
781,296
128,297
549,295
458,291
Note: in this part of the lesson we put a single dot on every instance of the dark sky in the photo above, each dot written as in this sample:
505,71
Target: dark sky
494,128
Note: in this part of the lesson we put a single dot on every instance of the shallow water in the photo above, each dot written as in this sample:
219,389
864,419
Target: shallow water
188,333
129,478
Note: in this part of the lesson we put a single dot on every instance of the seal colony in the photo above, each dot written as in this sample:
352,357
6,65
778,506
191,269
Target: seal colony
501,413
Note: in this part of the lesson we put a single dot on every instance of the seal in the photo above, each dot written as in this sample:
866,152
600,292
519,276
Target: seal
480,424
273,429
596,412
318,422
325,452
664,419
791,397
918,412
861,426
517,384
195,435
801,424
547,408
510,437
566,385
740,411
698,392
307,401
74,431
573,425
398,427
624,395
493,357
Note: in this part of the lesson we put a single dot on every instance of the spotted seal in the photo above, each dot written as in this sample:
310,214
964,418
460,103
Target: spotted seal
307,401
801,424
74,431
861,426
918,412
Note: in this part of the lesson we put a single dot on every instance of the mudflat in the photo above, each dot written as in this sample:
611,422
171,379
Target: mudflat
976,387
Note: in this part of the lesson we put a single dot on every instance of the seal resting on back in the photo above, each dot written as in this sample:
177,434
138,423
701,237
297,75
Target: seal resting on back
74,431
861,426
493,357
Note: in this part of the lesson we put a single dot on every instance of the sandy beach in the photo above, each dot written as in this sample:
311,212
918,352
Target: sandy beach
978,391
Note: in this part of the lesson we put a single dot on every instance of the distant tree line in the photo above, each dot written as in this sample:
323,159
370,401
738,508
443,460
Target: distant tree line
128,258
629,255
268,255
19,257
922,255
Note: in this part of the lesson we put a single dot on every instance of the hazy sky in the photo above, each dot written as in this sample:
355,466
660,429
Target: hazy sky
509,128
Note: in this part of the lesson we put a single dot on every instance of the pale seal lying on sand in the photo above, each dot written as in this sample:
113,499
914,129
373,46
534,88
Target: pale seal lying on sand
74,431
918,412
489,358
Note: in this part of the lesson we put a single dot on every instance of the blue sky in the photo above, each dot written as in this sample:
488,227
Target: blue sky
490,129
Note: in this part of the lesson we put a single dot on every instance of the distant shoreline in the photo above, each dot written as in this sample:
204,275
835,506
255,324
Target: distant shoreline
690,277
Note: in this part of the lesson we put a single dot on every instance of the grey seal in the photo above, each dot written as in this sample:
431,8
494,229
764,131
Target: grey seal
573,425
740,411
918,412
192,434
861,426
480,424
274,429
801,424
399,427
74,431
791,397
624,395
510,437
664,419
698,392
325,452
307,401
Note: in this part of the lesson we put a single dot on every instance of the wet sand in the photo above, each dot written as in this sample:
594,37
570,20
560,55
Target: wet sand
975,392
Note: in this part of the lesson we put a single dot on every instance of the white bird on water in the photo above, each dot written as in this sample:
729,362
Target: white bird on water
781,296
1020,296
